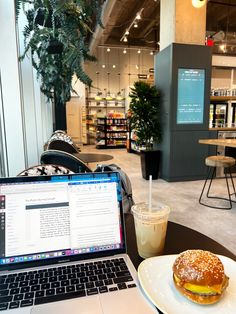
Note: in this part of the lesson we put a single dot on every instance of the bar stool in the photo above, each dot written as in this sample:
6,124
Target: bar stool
218,161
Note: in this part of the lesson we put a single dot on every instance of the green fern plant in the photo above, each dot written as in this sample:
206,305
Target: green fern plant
67,23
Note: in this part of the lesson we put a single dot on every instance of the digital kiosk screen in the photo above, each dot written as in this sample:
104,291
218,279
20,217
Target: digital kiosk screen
190,101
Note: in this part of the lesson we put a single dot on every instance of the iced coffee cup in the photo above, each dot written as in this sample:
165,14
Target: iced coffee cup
150,228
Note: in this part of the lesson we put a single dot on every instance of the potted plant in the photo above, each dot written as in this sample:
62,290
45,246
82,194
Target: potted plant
144,121
57,38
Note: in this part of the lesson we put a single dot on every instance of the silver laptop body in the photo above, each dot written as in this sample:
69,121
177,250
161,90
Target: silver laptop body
63,248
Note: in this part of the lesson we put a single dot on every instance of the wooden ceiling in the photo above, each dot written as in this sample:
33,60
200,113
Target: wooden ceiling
221,24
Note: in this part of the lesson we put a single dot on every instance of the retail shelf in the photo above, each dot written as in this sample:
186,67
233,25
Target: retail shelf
222,98
119,131
112,138
104,107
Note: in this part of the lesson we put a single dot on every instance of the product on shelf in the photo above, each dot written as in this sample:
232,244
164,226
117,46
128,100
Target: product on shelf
101,143
223,92
114,131
115,115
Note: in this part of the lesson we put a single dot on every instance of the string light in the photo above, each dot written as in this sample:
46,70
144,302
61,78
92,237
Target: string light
151,53
133,23
139,51
108,49
103,66
124,51
125,39
114,66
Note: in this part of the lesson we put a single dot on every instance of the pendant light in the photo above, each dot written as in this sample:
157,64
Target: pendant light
118,95
108,95
99,93
198,3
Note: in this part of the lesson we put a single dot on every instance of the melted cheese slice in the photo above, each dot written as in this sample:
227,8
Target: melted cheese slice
201,289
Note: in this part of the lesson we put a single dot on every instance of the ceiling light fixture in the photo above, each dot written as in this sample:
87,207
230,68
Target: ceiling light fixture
198,3
133,23
108,49
126,49
114,66
98,96
108,96
119,96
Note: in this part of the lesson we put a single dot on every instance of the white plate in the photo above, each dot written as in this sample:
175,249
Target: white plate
155,276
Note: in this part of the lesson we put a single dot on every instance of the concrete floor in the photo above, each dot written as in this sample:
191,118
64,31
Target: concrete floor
182,197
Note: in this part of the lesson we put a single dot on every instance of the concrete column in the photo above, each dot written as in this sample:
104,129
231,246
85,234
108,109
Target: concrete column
182,48
181,22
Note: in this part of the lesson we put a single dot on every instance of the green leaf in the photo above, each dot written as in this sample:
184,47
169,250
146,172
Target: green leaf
71,22
144,113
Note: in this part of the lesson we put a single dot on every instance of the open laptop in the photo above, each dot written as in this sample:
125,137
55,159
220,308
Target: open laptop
62,247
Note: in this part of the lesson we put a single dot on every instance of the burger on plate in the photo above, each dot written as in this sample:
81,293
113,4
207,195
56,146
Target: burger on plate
199,275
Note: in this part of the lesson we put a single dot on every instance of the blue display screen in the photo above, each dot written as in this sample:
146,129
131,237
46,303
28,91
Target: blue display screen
190,100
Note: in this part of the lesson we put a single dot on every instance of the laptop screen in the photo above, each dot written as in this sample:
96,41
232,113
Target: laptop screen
56,218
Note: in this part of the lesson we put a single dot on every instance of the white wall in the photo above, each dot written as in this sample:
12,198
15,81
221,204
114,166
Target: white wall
130,63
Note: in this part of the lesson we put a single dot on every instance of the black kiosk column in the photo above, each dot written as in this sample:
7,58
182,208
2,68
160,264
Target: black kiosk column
183,76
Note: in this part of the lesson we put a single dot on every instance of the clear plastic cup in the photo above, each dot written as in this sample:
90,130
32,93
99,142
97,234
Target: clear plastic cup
150,228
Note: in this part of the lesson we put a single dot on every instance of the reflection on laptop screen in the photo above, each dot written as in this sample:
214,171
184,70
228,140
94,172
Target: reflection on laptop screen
51,217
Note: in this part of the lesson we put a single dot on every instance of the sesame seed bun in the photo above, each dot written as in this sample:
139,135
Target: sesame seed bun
199,276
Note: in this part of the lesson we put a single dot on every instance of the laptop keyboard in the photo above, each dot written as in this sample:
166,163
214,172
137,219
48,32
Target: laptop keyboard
63,282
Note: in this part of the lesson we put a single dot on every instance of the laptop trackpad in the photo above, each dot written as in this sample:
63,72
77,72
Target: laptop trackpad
89,305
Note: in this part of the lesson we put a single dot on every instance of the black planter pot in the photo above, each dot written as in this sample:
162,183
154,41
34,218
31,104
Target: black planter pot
150,161
55,47
46,20
59,114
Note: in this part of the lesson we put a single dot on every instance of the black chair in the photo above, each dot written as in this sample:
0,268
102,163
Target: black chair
61,136
45,170
64,159
59,131
63,146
